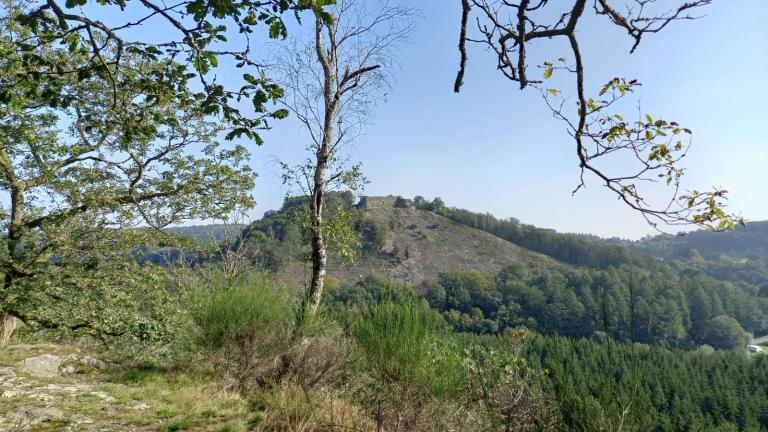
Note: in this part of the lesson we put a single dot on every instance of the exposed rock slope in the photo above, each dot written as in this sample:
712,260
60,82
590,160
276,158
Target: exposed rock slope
420,244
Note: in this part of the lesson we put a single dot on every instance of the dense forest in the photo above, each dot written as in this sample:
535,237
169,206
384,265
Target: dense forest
626,302
600,383
748,241
661,390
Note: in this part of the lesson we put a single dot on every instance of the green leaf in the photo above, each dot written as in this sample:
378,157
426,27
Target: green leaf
75,3
212,59
280,114
275,29
326,17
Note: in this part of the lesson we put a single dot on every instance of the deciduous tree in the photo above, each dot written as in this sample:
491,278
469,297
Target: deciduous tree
84,159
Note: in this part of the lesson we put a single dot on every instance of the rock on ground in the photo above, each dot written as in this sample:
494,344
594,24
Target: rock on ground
25,416
42,366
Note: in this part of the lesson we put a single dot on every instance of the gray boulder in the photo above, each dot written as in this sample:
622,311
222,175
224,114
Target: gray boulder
31,416
43,366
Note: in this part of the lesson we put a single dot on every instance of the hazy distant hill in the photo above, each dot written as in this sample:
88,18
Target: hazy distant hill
749,241
215,232
163,254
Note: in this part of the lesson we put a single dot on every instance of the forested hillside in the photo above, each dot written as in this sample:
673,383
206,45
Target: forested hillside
526,276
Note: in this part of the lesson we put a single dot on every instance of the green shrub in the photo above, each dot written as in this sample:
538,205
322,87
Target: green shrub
250,331
414,369
401,343
507,390
229,310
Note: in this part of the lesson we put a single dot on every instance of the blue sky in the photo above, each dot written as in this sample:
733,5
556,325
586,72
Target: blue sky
495,149
492,148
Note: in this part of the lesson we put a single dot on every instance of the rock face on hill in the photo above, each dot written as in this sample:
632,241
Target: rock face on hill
420,244
401,241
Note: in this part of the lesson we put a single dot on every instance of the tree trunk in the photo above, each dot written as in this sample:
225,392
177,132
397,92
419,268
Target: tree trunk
331,101
7,326
15,227
319,254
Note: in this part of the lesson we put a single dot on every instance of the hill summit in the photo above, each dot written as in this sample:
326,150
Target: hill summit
399,241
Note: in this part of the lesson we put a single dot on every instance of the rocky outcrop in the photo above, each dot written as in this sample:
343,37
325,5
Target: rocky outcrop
376,202
31,400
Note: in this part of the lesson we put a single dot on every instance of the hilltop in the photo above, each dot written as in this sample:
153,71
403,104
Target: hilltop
419,244
398,241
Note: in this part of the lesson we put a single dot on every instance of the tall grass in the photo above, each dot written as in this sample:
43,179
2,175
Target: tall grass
288,407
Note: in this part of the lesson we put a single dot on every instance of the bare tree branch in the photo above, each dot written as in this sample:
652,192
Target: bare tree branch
657,146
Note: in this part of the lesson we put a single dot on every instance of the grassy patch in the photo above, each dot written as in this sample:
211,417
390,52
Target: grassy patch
171,400
288,407
141,398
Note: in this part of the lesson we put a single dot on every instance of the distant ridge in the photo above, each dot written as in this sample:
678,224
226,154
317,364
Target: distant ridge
746,242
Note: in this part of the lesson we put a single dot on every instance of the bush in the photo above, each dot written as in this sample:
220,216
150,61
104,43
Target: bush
227,311
318,355
246,325
506,389
412,366
399,343
249,328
